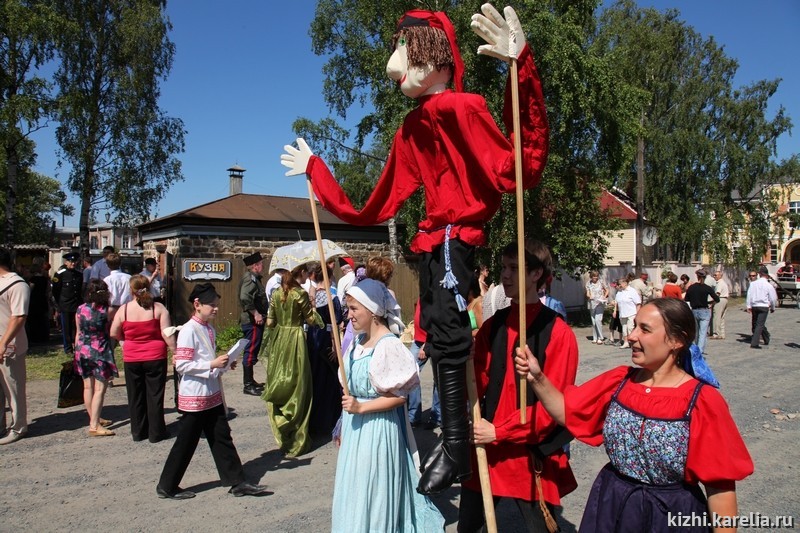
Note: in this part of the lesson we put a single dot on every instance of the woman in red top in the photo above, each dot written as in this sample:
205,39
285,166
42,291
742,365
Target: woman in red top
664,428
671,288
139,324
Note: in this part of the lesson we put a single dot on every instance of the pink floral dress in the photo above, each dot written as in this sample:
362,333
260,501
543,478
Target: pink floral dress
94,355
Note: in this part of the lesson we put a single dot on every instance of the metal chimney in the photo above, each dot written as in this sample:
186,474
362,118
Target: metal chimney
236,174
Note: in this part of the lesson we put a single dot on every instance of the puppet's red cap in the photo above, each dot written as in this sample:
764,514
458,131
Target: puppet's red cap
421,17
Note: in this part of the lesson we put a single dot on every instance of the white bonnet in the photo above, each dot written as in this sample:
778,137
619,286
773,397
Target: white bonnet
376,297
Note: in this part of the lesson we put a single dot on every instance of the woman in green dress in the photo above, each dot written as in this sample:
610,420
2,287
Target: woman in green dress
288,391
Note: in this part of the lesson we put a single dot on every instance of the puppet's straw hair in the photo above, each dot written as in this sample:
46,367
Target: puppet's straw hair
426,46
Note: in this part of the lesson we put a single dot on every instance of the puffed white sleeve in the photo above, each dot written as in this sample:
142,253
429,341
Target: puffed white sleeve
392,370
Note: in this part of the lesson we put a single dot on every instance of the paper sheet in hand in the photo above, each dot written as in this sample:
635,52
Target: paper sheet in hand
236,350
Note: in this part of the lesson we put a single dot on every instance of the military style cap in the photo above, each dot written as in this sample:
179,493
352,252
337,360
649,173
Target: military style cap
252,259
204,292
72,256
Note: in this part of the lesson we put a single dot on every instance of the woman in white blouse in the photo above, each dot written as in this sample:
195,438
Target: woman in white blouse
597,294
376,471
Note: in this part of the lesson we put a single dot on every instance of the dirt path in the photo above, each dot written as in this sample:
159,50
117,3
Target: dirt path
58,479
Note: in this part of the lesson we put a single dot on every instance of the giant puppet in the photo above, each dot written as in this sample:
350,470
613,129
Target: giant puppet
449,144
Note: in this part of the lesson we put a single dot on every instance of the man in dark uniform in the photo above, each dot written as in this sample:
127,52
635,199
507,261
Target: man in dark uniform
67,291
253,301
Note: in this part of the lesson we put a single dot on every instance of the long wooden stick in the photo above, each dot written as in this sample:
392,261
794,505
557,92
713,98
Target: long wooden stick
337,342
480,451
523,386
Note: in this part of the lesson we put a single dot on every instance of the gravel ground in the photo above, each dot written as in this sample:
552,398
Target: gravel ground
58,479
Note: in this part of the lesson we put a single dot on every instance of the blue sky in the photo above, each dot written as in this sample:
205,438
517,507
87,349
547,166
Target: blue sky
244,72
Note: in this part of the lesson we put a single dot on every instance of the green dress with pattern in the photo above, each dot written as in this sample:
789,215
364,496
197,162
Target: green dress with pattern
289,389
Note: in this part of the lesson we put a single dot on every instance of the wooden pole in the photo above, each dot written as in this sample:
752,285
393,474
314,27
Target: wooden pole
522,297
480,451
337,342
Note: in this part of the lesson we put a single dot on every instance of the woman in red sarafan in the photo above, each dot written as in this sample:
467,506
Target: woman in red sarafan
665,427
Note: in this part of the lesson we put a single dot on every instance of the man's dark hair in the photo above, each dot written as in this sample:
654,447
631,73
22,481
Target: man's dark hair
5,259
537,255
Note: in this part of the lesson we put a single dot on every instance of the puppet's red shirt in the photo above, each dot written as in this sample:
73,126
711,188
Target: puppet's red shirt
450,144
510,468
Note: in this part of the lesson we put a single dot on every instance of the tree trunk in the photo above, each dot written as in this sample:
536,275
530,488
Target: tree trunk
12,161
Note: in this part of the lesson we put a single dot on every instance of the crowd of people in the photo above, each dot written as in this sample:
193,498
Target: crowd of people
707,296
665,427
304,396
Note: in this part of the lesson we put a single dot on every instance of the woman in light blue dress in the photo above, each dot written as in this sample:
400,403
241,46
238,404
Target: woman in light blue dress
376,472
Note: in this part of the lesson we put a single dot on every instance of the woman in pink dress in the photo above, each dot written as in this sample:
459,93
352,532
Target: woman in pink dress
94,354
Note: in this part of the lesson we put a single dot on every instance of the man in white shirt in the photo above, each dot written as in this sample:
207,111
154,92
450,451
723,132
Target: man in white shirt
761,299
154,276
14,301
273,283
719,309
347,266
119,285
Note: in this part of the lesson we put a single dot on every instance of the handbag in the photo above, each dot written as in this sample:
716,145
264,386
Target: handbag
70,386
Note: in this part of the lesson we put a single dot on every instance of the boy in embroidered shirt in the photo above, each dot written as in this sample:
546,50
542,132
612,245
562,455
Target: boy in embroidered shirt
200,400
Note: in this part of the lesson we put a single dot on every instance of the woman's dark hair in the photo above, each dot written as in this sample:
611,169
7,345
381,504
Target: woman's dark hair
315,269
684,278
672,278
474,287
537,255
97,293
288,281
140,287
679,321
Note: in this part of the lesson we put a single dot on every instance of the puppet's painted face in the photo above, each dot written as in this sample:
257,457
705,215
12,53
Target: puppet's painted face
415,81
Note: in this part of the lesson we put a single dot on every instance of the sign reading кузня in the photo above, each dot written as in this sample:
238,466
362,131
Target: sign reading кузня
206,269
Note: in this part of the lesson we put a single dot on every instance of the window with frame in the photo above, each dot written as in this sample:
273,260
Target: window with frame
773,253
794,209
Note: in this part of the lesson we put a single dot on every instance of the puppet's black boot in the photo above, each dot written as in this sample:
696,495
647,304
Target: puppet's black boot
449,462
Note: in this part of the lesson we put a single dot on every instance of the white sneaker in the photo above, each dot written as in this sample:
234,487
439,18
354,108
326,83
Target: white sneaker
13,436
626,345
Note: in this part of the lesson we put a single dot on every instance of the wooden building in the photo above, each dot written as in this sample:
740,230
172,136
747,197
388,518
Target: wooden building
208,243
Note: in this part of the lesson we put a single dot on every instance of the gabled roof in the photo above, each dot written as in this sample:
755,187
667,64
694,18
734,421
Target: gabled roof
618,203
247,210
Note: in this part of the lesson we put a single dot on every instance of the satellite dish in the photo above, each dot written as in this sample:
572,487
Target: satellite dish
649,236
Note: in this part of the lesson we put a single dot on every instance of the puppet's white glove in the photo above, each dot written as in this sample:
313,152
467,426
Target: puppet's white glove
505,37
296,159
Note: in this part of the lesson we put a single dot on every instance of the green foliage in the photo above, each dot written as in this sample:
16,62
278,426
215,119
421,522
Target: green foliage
25,45
709,147
37,201
121,146
227,336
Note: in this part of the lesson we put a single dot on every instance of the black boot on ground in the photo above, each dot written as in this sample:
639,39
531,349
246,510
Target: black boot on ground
250,386
450,462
